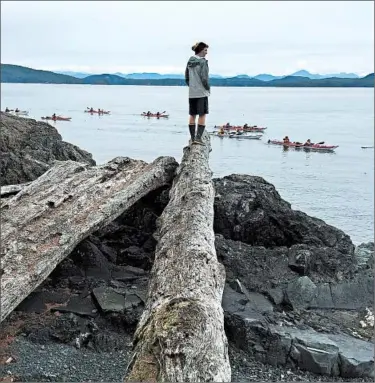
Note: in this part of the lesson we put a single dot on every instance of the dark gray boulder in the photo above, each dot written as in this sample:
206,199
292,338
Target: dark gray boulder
249,209
274,341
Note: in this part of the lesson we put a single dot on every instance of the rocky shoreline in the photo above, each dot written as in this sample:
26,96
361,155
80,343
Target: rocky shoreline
296,297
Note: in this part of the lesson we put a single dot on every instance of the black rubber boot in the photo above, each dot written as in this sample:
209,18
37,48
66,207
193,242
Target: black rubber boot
198,138
192,132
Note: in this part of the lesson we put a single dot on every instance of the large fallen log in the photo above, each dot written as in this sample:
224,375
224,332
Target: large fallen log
180,337
43,223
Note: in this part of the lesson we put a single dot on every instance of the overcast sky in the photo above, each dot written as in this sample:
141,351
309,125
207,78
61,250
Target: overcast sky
244,37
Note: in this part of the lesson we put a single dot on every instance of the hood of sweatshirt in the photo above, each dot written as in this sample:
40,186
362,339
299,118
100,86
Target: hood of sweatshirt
195,61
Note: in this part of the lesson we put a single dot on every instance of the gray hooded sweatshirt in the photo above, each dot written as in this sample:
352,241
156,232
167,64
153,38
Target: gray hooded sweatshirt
196,77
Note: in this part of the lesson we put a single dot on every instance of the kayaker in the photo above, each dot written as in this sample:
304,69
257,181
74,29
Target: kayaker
197,79
17,110
54,116
7,110
158,114
221,131
286,140
307,143
91,109
245,126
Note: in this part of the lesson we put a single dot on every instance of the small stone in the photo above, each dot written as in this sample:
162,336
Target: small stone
9,360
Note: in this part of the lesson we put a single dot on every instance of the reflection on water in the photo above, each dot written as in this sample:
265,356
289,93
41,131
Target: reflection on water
337,187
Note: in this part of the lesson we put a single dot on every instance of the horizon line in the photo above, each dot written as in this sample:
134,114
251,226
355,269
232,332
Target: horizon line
163,73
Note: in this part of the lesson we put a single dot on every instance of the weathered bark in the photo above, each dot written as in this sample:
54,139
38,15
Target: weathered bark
8,190
180,337
43,223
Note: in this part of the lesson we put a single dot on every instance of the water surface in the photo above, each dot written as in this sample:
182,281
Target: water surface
338,187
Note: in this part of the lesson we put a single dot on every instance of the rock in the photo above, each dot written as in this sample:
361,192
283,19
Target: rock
313,352
259,303
280,345
28,148
323,297
134,270
354,294
121,274
258,268
328,264
108,300
365,254
300,292
39,301
77,282
299,260
276,295
233,301
132,301
109,253
134,256
89,258
249,209
79,306
356,357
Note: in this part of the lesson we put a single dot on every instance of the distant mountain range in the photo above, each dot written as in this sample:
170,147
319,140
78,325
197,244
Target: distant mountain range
133,76
262,77
19,74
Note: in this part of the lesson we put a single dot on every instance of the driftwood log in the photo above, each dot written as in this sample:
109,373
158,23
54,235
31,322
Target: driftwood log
43,223
180,337
8,190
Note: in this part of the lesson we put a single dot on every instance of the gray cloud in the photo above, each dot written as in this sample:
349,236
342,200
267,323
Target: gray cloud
244,37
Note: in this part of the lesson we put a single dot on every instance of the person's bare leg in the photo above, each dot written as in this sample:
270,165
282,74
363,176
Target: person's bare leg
192,127
202,120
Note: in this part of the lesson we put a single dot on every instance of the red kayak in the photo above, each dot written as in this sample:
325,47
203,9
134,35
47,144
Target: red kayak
57,118
314,147
96,111
155,115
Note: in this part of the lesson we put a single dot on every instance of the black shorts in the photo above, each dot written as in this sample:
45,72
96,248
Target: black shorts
198,106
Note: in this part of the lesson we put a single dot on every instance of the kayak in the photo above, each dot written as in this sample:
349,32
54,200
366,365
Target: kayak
57,118
367,147
246,136
155,115
314,147
254,129
96,111
234,135
248,129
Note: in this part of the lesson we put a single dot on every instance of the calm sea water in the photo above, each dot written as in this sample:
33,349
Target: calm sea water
338,187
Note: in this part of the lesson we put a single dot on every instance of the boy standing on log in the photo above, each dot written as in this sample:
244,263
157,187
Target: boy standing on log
197,78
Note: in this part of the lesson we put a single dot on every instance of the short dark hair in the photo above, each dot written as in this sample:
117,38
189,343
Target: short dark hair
198,47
